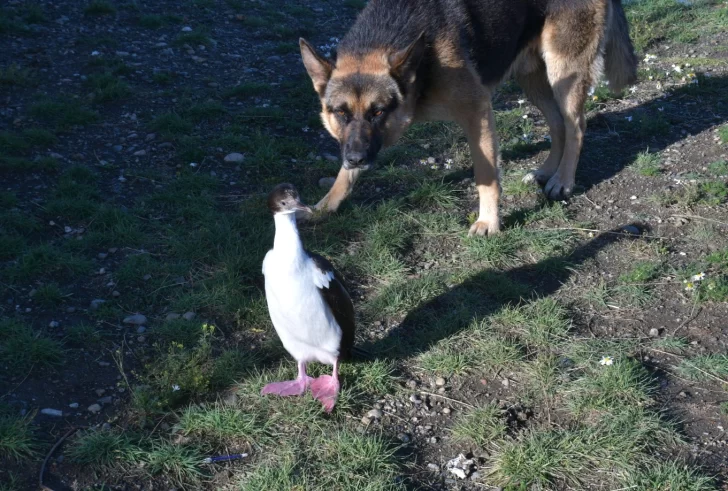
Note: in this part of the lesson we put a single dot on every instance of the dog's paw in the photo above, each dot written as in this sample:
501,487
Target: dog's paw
536,177
557,189
484,227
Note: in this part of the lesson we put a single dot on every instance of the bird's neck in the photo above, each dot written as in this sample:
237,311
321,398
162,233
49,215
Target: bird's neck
287,240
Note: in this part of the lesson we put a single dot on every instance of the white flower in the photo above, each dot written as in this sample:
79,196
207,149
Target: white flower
521,102
305,129
677,68
628,118
423,162
649,58
525,116
660,109
632,90
606,361
433,166
175,388
689,285
698,277
193,164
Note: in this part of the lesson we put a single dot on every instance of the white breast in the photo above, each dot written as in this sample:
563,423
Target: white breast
300,316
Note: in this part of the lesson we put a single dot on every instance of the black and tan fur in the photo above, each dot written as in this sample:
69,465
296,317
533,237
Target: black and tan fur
415,60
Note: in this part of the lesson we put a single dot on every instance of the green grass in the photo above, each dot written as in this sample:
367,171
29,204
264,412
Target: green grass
223,424
718,168
170,124
705,367
62,114
99,7
83,335
669,476
15,76
108,87
194,38
103,448
17,438
179,463
480,426
22,348
723,133
648,164
48,295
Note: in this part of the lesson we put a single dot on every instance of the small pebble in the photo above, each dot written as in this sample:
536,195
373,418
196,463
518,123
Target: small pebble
440,381
52,412
100,392
73,405
94,408
136,319
375,414
654,332
53,324
446,410
234,158
141,329
414,398
105,400
188,316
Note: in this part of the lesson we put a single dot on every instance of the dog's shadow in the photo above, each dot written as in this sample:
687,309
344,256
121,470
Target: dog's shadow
484,294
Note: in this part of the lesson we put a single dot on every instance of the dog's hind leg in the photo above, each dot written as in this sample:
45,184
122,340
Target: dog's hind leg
479,127
571,45
531,77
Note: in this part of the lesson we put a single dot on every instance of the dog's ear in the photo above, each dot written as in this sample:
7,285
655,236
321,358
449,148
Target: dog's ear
404,63
318,67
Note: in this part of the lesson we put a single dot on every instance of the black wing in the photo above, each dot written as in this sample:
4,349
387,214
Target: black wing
339,301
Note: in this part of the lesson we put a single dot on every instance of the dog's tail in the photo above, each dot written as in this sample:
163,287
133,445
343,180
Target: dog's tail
620,63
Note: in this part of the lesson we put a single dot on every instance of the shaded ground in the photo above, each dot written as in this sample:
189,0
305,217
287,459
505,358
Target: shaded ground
116,199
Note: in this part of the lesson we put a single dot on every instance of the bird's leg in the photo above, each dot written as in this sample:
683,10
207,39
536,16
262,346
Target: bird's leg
290,387
325,389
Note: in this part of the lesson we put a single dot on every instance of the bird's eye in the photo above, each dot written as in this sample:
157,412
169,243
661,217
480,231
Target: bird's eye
378,113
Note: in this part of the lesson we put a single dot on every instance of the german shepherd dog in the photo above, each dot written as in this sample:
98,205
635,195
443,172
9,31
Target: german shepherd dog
417,60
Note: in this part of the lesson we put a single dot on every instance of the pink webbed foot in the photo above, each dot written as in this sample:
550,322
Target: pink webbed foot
325,389
288,388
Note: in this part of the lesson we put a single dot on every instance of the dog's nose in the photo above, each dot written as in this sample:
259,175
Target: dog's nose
355,158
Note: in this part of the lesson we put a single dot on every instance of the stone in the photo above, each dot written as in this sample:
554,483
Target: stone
105,400
440,381
446,410
141,329
366,420
375,414
136,319
140,153
234,158
94,408
654,332
326,182
100,392
415,399
186,29
52,412
73,405
95,304
404,438
53,324
172,316
188,316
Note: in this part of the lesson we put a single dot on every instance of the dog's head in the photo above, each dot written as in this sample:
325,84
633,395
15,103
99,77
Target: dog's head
367,99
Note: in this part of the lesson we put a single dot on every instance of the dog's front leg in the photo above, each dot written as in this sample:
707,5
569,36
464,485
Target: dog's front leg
483,143
339,191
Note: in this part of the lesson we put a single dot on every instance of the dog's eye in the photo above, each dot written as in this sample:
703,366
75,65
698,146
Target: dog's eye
341,113
378,113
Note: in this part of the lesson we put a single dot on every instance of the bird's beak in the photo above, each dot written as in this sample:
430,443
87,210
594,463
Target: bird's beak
303,211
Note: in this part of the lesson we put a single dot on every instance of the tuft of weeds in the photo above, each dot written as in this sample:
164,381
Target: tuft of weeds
194,38
653,125
17,441
247,89
181,331
480,426
22,348
103,448
99,7
713,193
626,382
403,296
648,164
108,87
723,133
433,195
719,168
668,476
62,114
224,424
542,323
180,463
15,76
82,335
642,273
48,295
704,367
229,366
11,246
171,124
